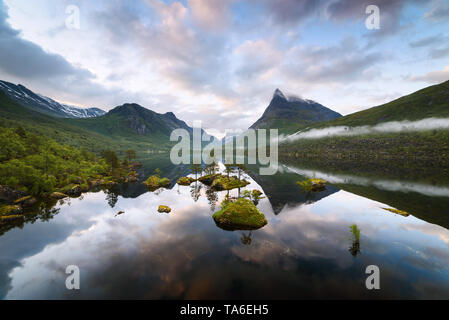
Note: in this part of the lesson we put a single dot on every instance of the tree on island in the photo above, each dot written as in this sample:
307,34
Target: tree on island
242,170
111,158
229,168
212,168
196,168
131,154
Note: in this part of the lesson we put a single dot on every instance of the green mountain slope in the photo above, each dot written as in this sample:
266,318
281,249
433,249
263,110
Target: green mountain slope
133,124
125,127
13,115
429,148
429,102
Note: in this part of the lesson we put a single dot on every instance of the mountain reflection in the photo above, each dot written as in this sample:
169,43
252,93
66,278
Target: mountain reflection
301,253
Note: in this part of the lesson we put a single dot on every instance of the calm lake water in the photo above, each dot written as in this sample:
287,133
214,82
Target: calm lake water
305,251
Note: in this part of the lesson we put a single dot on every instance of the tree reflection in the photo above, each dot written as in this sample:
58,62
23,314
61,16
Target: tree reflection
212,197
355,246
246,239
111,198
195,191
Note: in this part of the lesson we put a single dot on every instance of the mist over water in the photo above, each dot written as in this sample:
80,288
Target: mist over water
386,127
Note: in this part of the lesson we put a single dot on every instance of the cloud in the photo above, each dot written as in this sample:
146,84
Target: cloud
291,11
26,61
439,11
19,57
210,14
257,57
342,62
200,58
428,41
390,13
433,77
438,53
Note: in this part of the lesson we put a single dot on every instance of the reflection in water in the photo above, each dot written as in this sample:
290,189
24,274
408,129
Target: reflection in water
426,202
212,197
195,190
111,198
246,239
301,253
355,246
428,190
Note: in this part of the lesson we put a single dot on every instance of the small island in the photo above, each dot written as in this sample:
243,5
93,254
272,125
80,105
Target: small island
313,185
241,214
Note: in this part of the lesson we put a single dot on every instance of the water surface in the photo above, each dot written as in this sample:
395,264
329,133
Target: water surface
305,251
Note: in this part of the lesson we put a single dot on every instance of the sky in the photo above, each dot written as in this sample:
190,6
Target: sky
219,61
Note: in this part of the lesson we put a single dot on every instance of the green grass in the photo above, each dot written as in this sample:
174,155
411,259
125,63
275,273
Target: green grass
429,102
93,134
241,214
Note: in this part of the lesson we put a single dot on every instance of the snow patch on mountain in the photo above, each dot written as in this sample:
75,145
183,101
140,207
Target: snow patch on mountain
28,98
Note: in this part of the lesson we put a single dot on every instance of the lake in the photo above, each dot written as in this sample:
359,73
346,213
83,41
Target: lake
305,251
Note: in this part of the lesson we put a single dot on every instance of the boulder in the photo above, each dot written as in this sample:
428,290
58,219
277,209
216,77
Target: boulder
11,217
314,185
58,195
228,183
155,182
25,202
8,194
185,181
396,211
209,179
10,210
164,209
75,191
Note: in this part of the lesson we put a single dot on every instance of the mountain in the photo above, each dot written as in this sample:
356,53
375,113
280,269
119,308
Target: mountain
289,113
281,189
37,102
424,148
135,124
129,126
429,102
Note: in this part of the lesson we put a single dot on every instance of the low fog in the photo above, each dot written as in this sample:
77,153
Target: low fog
393,126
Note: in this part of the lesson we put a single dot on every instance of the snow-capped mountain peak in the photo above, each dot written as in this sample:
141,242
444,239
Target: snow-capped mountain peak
37,102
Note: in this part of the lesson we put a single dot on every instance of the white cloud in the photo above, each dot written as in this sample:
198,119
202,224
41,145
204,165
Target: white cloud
432,77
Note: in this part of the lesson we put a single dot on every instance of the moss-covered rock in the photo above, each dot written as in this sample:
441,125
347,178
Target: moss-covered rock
11,217
224,183
240,215
185,181
165,209
58,195
209,179
155,182
10,210
9,195
396,211
314,185
74,191
132,177
25,202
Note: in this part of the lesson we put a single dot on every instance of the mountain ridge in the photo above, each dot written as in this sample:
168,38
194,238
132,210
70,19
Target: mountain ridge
44,104
287,113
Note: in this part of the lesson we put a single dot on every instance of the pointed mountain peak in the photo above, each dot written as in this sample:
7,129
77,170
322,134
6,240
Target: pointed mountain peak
170,114
278,93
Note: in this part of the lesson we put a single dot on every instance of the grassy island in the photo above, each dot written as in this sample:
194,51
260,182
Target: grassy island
239,215
185,181
314,185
